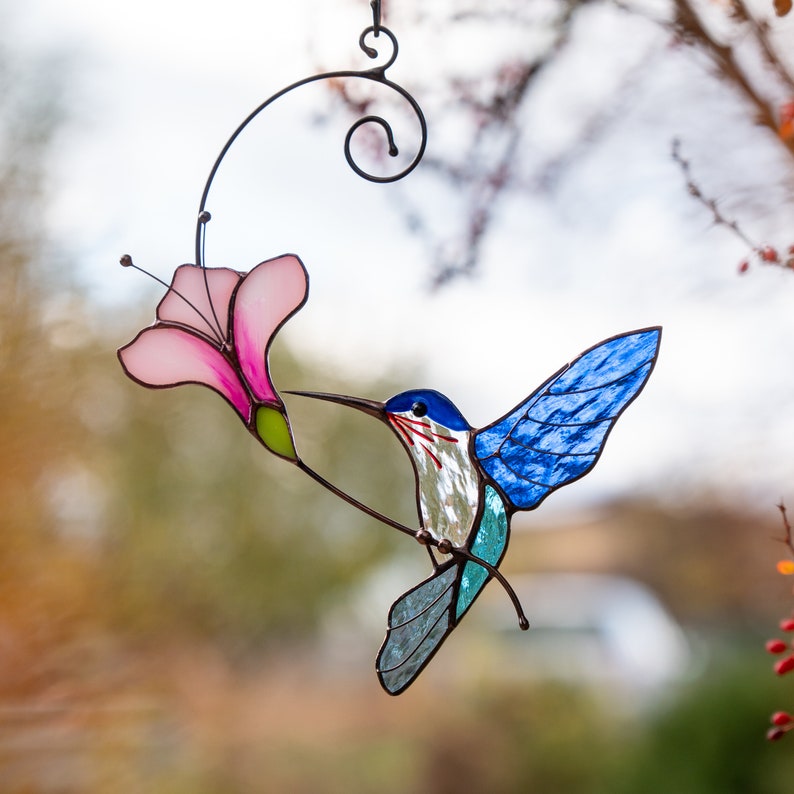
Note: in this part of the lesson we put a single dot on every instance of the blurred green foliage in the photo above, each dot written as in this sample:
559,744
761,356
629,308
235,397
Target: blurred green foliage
711,738
211,536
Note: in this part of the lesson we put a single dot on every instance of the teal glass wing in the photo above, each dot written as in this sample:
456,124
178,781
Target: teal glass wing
556,435
489,544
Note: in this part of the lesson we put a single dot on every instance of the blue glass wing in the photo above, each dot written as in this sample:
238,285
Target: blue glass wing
556,435
419,621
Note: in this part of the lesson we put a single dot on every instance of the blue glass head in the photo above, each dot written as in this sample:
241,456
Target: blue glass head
429,403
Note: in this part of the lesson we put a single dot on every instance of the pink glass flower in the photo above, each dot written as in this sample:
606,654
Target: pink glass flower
214,327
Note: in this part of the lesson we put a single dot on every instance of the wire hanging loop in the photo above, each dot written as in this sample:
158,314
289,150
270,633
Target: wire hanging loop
371,52
376,74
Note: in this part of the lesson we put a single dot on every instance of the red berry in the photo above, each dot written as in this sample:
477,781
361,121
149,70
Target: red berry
744,266
768,254
787,624
781,718
782,7
776,646
784,665
773,734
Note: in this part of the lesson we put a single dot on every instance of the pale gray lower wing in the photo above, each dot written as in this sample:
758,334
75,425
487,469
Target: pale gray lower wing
419,621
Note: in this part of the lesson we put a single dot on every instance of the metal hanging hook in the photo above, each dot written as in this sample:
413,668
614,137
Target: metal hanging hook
376,74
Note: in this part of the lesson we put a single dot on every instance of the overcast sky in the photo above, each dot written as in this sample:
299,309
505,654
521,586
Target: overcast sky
157,87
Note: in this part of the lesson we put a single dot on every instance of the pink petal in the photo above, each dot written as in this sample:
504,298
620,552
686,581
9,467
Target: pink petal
164,356
198,304
271,293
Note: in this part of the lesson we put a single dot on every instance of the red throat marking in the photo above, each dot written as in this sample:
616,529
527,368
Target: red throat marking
408,428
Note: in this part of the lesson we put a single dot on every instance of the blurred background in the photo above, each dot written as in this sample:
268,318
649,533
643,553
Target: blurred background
180,612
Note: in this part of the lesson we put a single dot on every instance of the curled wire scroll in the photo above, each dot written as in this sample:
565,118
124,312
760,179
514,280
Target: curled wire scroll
376,74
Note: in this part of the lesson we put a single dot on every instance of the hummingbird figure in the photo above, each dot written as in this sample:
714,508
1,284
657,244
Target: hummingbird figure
469,482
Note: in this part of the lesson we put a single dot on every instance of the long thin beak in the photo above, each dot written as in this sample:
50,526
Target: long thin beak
371,407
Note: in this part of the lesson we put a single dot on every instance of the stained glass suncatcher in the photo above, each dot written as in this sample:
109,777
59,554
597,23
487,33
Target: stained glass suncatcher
215,327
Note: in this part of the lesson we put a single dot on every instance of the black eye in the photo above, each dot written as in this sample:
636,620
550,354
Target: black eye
419,408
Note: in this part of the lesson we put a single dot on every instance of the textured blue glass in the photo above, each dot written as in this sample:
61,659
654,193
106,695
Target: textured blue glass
590,405
557,434
609,361
576,439
488,545
542,467
522,493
